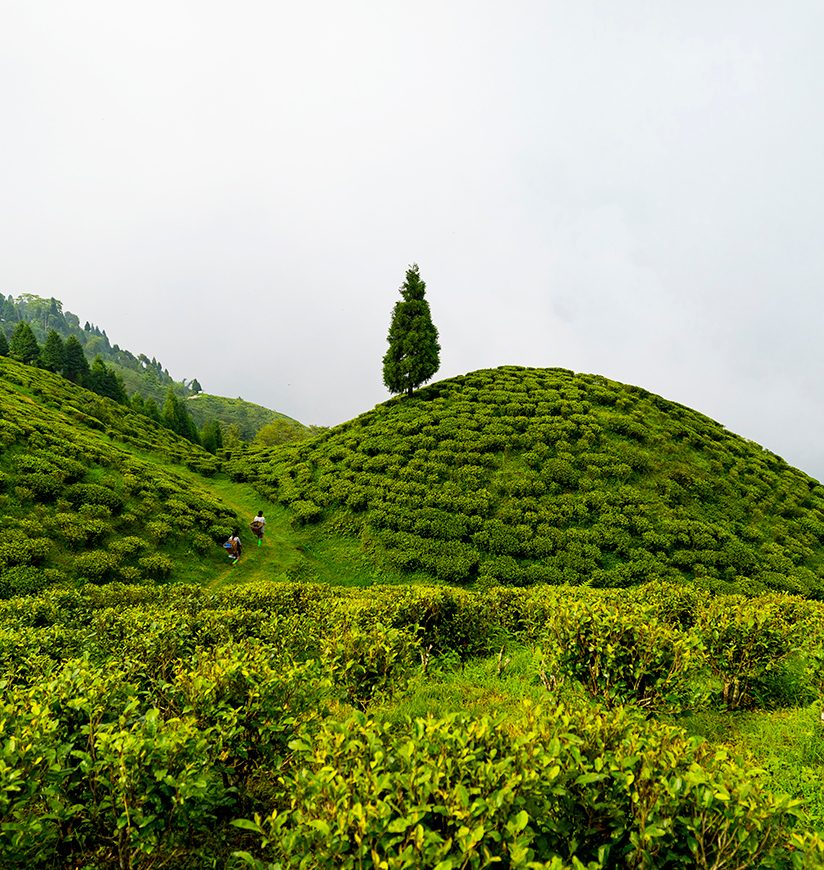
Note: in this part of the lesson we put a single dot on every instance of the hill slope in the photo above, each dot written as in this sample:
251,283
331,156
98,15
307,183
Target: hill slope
139,374
518,475
89,490
248,417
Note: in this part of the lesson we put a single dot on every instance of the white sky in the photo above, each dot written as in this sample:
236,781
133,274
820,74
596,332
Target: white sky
629,188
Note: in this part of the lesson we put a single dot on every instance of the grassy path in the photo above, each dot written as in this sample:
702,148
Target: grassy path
279,550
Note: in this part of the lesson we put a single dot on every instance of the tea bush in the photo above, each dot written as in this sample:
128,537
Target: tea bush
635,487
137,721
69,489
561,786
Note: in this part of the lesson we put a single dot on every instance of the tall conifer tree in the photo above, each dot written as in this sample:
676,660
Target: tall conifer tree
4,344
75,364
53,353
23,345
413,356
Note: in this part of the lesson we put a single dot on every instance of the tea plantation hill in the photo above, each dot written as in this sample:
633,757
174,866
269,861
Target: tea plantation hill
225,723
90,490
521,476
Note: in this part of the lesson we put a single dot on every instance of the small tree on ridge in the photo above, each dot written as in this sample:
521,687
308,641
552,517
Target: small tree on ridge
414,352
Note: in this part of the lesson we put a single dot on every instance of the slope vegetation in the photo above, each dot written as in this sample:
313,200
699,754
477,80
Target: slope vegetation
520,476
248,417
139,374
90,491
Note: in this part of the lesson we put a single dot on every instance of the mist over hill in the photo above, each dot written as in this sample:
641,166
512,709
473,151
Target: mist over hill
519,476
139,374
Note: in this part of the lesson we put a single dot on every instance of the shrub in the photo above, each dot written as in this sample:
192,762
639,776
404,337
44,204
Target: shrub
156,565
746,639
305,512
561,787
621,654
91,493
97,566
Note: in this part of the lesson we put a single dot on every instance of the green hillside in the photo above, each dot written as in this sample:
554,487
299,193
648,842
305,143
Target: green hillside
139,374
248,417
91,491
522,476
163,709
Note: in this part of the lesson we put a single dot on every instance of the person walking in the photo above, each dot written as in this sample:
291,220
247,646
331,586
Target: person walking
234,546
257,526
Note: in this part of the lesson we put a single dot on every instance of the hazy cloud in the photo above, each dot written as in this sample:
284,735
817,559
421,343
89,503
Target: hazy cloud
631,189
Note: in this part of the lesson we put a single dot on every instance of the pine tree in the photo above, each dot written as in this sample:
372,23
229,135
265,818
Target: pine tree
53,353
75,364
211,437
106,382
151,410
413,355
176,417
195,386
23,345
4,344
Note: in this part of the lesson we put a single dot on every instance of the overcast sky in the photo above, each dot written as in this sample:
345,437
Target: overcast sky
628,187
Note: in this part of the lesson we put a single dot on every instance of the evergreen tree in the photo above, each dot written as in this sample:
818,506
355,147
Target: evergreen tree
75,364
414,353
23,345
151,410
211,438
4,344
53,353
195,386
176,417
105,382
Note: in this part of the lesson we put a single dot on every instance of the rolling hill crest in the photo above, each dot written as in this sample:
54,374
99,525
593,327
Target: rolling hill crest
519,476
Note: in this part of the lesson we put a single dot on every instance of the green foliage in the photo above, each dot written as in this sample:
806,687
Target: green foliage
247,418
138,721
282,431
103,380
562,788
176,417
621,654
748,642
413,356
75,364
23,345
211,437
52,356
122,372
519,476
74,493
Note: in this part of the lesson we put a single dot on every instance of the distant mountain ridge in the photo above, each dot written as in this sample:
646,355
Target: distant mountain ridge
140,374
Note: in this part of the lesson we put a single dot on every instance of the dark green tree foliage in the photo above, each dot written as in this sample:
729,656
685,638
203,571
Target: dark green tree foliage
176,417
151,410
195,386
413,354
23,345
4,344
53,354
105,382
211,438
75,364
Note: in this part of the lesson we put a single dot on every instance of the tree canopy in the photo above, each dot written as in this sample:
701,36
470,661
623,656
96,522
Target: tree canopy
23,345
413,356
